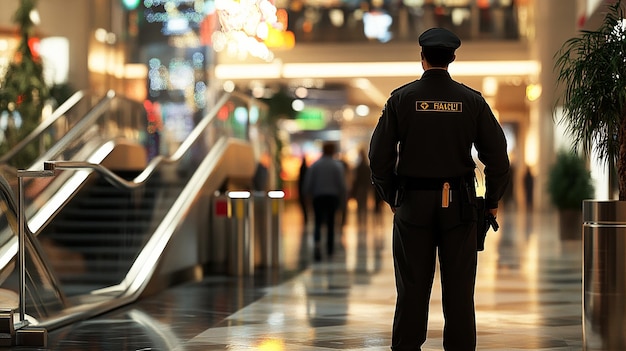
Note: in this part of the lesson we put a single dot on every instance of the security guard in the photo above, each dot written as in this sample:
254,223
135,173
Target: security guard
421,163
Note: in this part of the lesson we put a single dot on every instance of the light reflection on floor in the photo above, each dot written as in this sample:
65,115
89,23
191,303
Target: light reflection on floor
528,297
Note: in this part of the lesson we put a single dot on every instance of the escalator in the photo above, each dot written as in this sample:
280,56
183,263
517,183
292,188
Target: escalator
105,228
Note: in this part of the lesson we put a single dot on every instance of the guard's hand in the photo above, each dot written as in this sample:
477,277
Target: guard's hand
491,219
494,212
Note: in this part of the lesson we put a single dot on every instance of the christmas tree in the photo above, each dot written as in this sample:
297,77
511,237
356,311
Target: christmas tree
23,90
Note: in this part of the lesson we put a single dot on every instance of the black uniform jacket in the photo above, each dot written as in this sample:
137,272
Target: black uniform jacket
427,129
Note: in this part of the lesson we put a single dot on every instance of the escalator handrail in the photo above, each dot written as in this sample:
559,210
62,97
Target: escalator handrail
154,163
42,127
142,270
186,144
131,289
118,181
139,274
109,175
78,130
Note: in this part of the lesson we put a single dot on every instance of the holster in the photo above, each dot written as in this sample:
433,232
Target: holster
485,221
482,225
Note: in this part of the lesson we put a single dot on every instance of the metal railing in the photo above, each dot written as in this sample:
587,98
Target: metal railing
59,116
44,206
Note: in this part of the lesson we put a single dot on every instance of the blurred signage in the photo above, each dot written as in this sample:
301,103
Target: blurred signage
311,119
162,19
376,26
173,37
131,4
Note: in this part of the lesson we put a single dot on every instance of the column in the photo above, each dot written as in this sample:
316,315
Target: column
555,22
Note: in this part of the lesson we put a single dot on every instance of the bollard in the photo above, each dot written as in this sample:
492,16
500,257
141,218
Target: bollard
220,225
262,244
274,227
240,238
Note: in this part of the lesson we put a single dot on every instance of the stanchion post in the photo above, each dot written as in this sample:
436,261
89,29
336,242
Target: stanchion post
21,236
275,210
262,244
220,231
241,239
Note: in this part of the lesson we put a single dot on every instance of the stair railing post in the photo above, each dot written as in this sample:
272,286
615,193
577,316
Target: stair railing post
20,246
21,235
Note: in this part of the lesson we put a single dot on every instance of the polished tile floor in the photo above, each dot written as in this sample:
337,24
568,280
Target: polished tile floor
528,297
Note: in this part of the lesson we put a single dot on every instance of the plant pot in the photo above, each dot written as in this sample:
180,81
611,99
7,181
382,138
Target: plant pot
570,224
604,275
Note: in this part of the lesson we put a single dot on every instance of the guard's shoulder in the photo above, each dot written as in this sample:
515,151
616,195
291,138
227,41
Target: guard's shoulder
403,87
470,89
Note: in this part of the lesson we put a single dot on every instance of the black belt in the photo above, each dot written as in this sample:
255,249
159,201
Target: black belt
411,183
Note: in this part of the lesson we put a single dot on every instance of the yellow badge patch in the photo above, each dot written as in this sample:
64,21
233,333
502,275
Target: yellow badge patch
438,106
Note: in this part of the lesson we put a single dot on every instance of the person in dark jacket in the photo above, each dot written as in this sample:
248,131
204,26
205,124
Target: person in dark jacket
325,183
422,166
302,199
361,186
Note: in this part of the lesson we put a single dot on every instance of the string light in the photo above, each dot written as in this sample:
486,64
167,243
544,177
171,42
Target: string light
245,25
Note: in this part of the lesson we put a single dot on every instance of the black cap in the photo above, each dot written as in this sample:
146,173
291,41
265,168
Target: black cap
439,38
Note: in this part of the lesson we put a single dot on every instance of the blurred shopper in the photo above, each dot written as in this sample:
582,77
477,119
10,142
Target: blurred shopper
529,186
302,198
422,165
343,206
326,185
361,185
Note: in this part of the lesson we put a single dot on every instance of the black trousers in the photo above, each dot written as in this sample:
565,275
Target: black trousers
325,210
423,229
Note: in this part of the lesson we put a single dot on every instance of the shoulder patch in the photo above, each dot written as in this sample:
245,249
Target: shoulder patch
438,106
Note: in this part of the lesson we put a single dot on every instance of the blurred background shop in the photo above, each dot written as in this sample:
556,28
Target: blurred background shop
163,124
324,67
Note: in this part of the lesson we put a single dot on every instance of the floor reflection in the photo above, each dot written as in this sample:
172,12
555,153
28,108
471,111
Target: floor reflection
528,297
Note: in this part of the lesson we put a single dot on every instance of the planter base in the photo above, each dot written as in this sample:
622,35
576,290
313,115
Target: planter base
604,269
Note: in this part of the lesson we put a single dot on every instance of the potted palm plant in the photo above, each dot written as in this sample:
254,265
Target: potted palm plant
592,70
569,183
